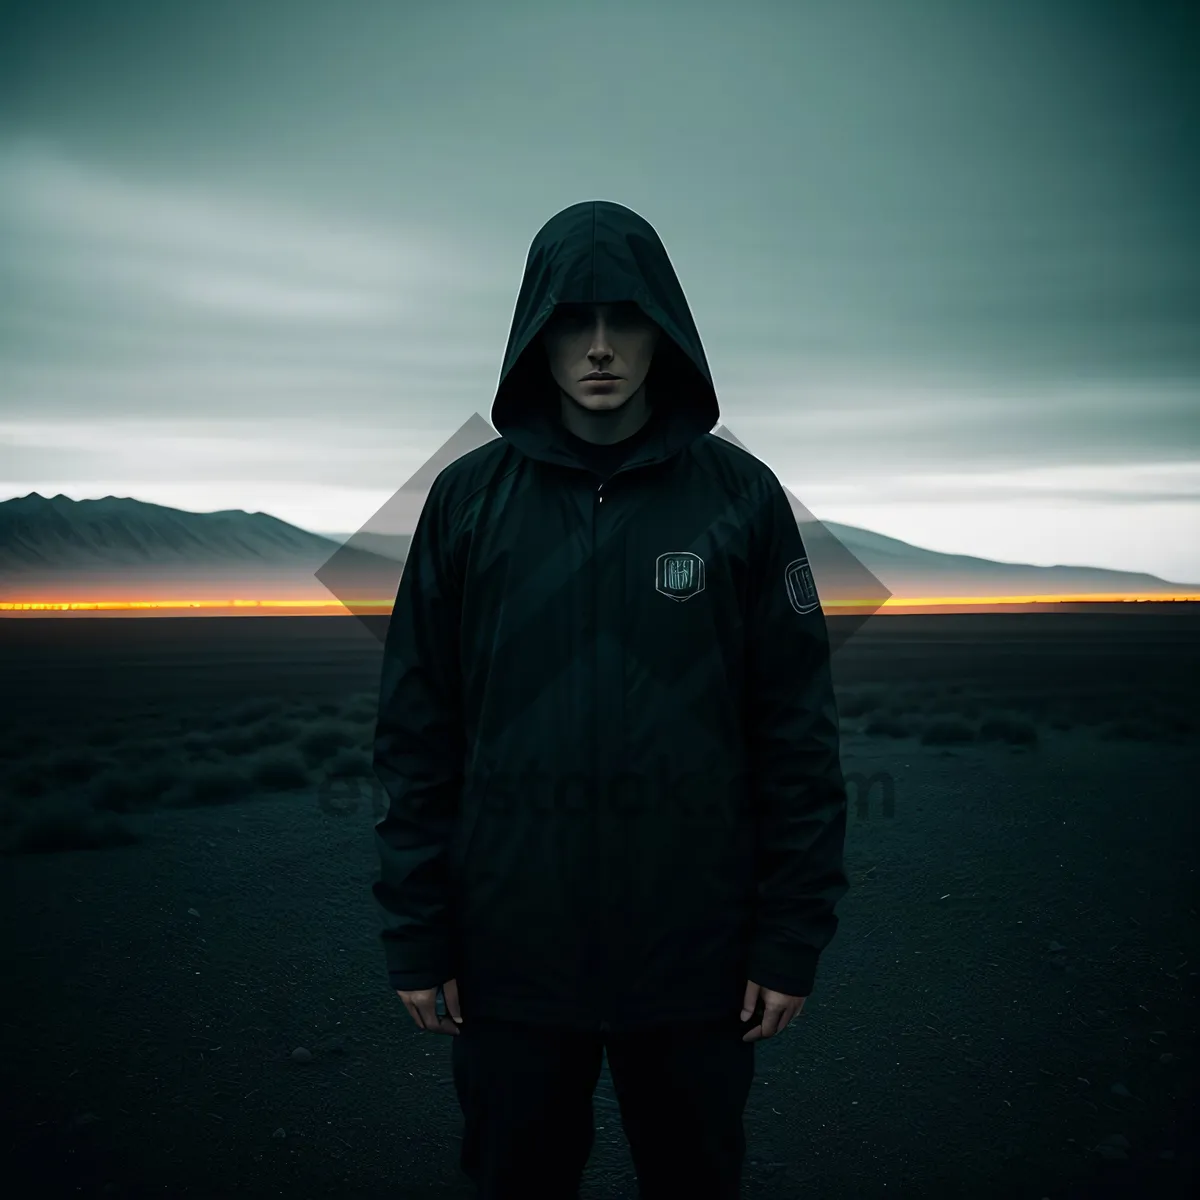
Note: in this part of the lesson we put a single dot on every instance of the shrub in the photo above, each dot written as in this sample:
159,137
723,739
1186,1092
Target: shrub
51,772
105,735
1012,730
1131,729
28,780
145,750
247,739
1177,722
280,771
947,732
322,741
1084,715
215,783
73,765
64,823
362,706
857,704
350,762
886,726
19,742
255,709
125,789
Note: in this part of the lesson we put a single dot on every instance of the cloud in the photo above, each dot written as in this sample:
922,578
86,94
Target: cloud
178,452
257,298
1117,484
66,202
833,421
125,293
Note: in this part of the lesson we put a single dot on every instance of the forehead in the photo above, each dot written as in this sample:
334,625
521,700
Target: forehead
617,308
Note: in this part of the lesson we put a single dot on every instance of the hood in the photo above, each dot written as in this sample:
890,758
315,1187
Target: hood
601,252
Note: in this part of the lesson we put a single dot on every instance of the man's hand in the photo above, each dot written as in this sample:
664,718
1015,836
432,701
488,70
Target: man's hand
778,1009
422,1006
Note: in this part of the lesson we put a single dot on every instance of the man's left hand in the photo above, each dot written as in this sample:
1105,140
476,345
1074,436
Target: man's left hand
778,1009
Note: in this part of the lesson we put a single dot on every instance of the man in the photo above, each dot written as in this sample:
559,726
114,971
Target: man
608,734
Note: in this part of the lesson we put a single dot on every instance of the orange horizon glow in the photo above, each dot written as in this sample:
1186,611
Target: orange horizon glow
337,607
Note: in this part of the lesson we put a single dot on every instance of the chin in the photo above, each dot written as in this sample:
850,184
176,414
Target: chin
594,403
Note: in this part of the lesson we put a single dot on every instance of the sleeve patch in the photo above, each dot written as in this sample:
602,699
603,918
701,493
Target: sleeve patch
801,588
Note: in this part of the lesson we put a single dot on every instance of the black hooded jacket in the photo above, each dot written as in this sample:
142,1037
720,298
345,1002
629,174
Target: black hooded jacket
607,727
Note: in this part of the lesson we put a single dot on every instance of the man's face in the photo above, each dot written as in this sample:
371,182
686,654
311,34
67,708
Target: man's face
614,339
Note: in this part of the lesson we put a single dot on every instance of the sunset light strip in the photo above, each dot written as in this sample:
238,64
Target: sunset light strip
893,603
131,605
1083,598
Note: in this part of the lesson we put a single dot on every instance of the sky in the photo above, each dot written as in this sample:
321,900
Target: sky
943,256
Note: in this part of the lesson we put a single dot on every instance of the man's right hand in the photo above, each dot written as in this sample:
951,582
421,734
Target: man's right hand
422,1006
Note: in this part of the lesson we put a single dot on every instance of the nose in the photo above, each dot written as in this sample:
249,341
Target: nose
600,344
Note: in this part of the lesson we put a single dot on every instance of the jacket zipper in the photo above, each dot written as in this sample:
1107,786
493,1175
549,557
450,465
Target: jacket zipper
604,1024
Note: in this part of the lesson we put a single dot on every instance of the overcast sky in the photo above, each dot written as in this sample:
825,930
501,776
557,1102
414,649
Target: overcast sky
943,257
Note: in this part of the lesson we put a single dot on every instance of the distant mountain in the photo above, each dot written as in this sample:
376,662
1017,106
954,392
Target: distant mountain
58,533
912,571
57,549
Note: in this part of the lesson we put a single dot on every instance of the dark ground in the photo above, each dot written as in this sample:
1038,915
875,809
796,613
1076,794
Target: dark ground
1008,1009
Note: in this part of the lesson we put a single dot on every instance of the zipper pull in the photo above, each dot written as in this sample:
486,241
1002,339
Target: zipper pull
600,493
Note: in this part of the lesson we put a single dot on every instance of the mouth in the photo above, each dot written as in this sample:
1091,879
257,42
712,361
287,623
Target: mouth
599,375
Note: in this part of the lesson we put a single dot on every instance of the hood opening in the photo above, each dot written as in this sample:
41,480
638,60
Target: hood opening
602,252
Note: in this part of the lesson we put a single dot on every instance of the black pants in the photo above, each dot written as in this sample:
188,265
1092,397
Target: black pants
526,1095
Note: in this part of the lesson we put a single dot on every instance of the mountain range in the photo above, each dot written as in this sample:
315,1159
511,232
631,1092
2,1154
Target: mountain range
119,548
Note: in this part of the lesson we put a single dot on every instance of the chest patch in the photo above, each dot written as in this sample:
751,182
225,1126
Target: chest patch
679,574
801,589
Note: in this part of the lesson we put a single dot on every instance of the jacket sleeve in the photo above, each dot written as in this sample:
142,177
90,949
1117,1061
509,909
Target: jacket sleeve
418,754
798,792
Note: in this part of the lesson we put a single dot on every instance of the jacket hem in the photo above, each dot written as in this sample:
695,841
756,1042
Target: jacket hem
500,1008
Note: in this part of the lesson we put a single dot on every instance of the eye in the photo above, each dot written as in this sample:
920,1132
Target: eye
630,316
622,316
